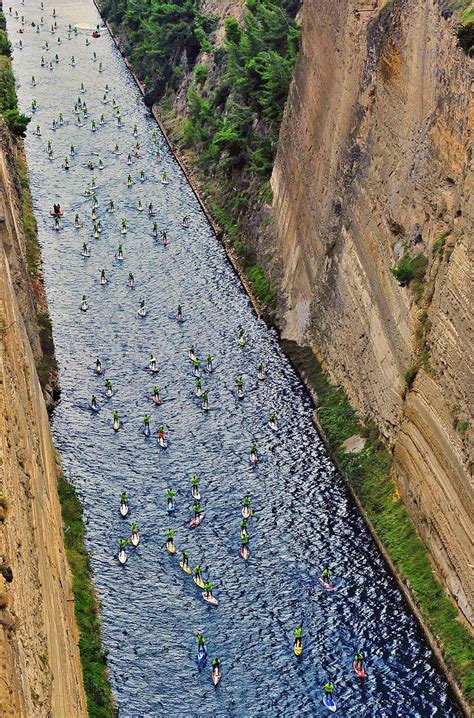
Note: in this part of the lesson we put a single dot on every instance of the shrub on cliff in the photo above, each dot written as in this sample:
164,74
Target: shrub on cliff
410,268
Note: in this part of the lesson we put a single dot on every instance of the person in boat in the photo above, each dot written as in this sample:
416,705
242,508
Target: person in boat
108,385
142,304
194,481
124,497
326,574
169,538
197,510
359,661
156,392
298,634
116,416
200,639
243,526
328,689
134,528
272,418
98,365
199,384
244,539
122,544
247,500
56,209
179,313
208,589
184,559
94,401
161,432
146,420
198,571
239,382
216,665
253,449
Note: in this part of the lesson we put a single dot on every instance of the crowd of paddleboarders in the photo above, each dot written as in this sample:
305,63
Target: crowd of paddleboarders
201,367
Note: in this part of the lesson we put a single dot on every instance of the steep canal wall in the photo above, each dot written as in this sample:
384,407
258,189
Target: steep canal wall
40,672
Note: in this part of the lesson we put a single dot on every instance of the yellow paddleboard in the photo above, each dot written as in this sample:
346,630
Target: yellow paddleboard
184,568
171,548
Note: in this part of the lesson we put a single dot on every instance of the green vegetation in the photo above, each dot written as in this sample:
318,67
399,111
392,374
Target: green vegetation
235,125
28,217
93,658
440,241
368,473
158,36
233,114
261,285
410,268
15,121
410,272
465,29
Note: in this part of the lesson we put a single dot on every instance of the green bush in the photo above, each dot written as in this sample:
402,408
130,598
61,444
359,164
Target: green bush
5,46
16,122
200,74
261,285
409,268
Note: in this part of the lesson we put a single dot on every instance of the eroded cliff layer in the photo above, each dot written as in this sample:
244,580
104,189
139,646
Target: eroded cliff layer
40,670
373,166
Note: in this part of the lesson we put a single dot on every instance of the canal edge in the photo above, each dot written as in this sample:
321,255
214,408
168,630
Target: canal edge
261,313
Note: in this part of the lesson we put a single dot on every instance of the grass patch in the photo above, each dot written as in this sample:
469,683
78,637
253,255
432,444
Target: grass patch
261,285
94,659
368,472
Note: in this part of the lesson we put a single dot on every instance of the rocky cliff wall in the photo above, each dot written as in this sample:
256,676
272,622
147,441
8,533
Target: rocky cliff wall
40,673
373,162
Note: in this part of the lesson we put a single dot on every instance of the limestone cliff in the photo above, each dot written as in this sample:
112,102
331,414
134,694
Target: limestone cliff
373,164
40,673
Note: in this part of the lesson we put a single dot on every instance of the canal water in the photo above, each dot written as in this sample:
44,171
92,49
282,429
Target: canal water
303,517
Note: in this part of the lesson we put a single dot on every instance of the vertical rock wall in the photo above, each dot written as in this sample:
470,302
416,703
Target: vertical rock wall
373,158
40,672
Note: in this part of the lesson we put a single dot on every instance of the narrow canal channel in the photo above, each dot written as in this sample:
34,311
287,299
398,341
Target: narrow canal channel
303,517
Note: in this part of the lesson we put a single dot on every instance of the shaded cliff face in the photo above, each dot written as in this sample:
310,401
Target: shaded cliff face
39,661
373,163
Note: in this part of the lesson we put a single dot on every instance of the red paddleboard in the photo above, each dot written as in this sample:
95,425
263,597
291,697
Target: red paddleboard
327,586
216,676
195,522
360,673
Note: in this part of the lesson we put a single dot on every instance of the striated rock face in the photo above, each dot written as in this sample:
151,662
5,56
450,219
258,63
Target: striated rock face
40,672
373,160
